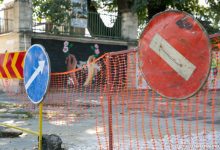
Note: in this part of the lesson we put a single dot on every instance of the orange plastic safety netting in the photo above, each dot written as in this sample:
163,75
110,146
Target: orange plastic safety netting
111,93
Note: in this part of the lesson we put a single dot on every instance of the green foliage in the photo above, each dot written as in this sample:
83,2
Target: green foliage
209,16
107,5
59,11
55,11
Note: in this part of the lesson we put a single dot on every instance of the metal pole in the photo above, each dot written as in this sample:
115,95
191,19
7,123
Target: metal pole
18,128
110,123
109,104
40,125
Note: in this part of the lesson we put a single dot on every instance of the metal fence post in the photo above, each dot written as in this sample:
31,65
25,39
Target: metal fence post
109,97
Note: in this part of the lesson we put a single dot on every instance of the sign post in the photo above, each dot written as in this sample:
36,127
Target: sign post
175,54
40,125
36,79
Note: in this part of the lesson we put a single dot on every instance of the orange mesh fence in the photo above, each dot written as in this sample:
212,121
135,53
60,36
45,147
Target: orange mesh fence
125,112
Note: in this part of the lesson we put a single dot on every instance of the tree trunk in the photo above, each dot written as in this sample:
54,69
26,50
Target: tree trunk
124,6
155,7
121,26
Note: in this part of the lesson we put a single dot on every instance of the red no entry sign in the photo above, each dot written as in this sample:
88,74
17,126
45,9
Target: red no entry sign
175,54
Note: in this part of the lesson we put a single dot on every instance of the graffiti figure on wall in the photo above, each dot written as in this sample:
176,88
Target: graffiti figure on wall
71,63
93,67
215,41
214,80
214,64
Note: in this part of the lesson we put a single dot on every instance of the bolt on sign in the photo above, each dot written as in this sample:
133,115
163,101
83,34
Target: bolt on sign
11,65
175,54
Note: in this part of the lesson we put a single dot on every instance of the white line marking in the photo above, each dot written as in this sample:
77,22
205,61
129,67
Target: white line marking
172,57
35,74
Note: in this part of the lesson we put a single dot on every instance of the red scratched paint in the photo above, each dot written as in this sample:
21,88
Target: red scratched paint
187,36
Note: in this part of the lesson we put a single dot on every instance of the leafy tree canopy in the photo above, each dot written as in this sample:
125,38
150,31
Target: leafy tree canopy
58,11
55,11
209,16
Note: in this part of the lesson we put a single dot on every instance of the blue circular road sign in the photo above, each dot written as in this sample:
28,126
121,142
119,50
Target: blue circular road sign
36,73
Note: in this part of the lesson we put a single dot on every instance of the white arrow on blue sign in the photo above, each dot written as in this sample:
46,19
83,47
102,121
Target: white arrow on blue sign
36,73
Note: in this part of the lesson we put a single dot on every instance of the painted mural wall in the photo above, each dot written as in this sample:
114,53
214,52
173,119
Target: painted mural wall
63,52
214,79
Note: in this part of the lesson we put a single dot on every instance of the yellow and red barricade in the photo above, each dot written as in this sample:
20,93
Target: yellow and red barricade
11,65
